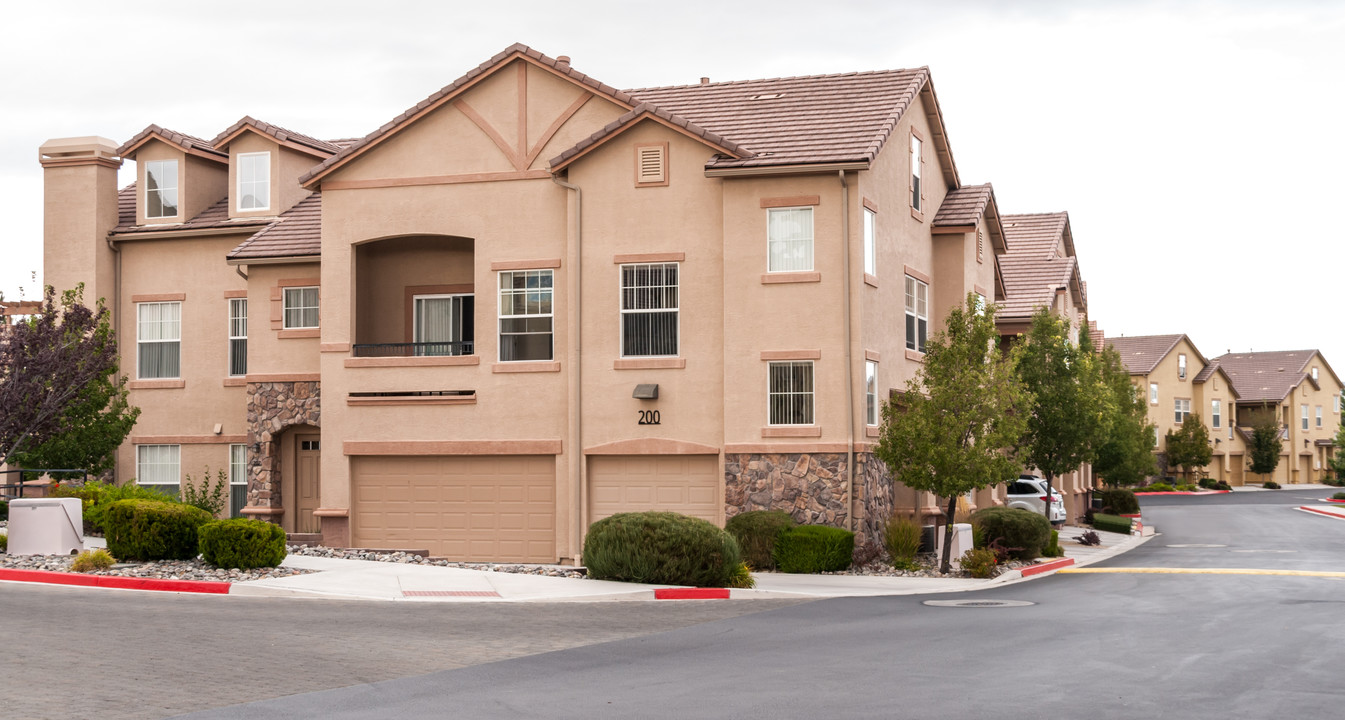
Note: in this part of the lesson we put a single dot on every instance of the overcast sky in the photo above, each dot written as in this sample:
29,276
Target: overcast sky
1197,146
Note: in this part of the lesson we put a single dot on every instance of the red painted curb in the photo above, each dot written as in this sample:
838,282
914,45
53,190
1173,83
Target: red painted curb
691,594
112,581
1323,512
1047,567
1334,501
1185,492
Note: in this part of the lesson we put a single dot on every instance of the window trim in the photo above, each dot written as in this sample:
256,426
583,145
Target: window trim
1305,415
417,337
1181,366
909,312
812,394
916,178
238,181
233,320
1153,393
871,414
285,307
176,188
870,241
501,317
1181,408
1216,414
812,239
623,311
1319,416
140,342
139,464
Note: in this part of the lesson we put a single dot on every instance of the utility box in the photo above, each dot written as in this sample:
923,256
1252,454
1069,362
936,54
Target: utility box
46,526
962,542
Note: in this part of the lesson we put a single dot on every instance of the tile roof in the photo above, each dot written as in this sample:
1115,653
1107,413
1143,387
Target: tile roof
1032,268
1267,376
1142,353
964,205
296,233
1096,335
188,143
214,217
636,114
323,148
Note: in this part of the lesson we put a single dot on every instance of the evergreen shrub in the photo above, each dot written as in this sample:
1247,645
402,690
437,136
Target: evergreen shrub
96,496
1025,531
153,530
814,549
241,543
1270,485
979,562
1119,502
662,548
1111,523
756,531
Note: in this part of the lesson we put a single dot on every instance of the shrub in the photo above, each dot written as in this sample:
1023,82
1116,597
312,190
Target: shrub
865,554
741,577
1119,502
1206,483
1111,523
4,543
979,562
1024,531
813,549
241,543
153,530
902,540
663,548
1053,550
1089,538
1338,496
1158,487
90,560
755,532
97,496
1270,485
212,498
4,510
1187,487
1223,485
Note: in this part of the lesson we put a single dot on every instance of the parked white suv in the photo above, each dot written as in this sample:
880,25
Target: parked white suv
1029,493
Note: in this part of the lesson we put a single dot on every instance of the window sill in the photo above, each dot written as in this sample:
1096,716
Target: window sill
785,431
404,401
240,381
870,280
525,367
870,431
915,355
649,364
776,278
299,333
413,361
156,384
918,215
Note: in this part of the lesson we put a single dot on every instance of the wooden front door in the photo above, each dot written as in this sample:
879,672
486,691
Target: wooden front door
306,482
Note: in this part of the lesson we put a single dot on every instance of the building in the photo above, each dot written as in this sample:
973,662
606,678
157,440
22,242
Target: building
531,301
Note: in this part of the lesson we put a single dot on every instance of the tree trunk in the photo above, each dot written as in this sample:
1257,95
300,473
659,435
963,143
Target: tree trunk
1047,510
946,565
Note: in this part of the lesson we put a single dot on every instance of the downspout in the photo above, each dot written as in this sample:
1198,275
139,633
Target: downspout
239,269
849,355
577,408
116,329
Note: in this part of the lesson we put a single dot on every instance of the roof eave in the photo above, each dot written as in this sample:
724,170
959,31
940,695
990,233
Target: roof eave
278,260
790,169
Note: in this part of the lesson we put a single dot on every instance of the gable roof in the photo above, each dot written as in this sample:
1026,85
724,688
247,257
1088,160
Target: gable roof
296,233
288,138
1033,270
964,206
631,119
1270,376
187,143
1142,353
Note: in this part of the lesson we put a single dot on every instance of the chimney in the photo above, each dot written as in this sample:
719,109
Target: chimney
705,81
79,184
563,60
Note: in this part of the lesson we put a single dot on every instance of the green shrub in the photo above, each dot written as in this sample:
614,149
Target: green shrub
4,510
1338,496
979,562
1053,549
153,530
902,540
662,548
90,560
241,543
813,549
1111,523
4,543
756,531
97,496
1023,530
1270,485
210,497
1206,483
1158,487
1223,485
1118,501
1186,487
741,577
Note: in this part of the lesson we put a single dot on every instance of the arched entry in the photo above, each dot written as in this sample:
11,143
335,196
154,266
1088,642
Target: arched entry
300,478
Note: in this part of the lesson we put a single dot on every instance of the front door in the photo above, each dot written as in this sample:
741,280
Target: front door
306,482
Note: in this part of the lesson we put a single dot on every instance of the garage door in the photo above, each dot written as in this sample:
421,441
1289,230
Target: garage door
477,508
688,484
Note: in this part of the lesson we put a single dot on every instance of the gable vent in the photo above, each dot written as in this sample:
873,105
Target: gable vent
651,164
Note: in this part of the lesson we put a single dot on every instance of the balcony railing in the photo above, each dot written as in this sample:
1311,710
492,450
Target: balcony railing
430,349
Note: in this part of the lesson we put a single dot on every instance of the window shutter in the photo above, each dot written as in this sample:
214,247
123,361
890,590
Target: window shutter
650,164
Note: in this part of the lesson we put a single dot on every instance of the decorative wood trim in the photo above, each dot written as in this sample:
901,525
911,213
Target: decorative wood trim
415,400
782,432
649,364
791,354
525,367
332,512
779,278
452,447
651,446
870,280
648,258
510,153
871,205
784,448
284,377
296,334
790,201
235,294
915,355
436,180
188,439
872,355
235,381
334,347
159,297
541,264
437,361
521,126
156,384
556,125
922,277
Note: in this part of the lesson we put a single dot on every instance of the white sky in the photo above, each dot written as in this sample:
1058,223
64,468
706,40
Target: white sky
1196,145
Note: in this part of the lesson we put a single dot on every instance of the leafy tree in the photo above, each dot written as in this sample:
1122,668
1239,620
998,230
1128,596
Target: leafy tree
1265,446
1189,445
1124,455
1338,458
56,368
1068,412
949,433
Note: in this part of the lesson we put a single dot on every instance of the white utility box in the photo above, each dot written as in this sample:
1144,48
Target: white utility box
962,541
46,526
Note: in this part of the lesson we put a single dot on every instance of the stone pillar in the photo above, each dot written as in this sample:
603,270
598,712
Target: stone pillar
273,407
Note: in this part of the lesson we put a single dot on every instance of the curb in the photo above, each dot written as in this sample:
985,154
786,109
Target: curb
1327,513
1046,567
114,581
691,594
1185,492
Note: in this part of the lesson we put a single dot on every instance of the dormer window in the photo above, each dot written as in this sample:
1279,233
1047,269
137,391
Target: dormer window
1181,366
254,181
161,189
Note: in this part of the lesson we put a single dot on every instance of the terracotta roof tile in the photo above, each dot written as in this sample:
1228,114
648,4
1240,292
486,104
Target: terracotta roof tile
1096,335
186,142
1033,269
638,112
215,216
964,206
1142,353
126,206
320,147
1266,376
296,233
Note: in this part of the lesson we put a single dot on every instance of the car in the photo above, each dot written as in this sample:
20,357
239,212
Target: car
1029,493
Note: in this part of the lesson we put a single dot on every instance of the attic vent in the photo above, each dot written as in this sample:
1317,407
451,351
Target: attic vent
651,164
980,245
768,96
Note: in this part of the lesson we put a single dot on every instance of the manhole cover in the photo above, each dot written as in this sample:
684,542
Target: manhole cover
1197,545
978,603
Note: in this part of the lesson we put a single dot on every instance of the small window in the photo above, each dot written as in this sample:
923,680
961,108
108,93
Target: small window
871,392
789,233
1319,416
158,340
649,310
791,393
238,479
1314,374
161,188
525,315
1335,404
917,160
159,466
301,308
870,242
1181,366
917,314
254,181
1153,393
651,164
238,336
1216,410
1305,417
310,445
1182,407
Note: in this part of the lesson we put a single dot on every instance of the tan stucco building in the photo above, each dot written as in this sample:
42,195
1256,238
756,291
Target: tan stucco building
531,301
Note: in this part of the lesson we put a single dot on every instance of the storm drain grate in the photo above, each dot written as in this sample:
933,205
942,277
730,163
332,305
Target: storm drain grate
450,593
978,603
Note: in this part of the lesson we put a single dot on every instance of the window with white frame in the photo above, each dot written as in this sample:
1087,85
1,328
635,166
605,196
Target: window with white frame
1305,417
1314,374
1335,404
254,181
789,239
1182,408
1216,410
1153,393
238,336
1319,416
525,315
871,392
870,242
444,325
161,188
649,309
238,479
159,466
917,314
791,392
301,308
917,160
158,340
1181,366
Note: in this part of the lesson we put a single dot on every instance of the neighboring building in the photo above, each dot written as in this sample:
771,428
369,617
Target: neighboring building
533,300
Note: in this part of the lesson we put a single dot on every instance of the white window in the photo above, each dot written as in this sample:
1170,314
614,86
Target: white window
870,242
1314,374
161,188
301,308
444,325
1305,417
158,340
916,171
649,309
1319,416
525,315
980,304
254,181
917,314
238,479
238,336
1181,366
789,239
791,393
871,392
159,465
1216,410
1335,404
1153,393
1182,407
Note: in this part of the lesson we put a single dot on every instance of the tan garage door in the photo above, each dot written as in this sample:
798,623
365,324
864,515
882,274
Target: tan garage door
688,484
480,508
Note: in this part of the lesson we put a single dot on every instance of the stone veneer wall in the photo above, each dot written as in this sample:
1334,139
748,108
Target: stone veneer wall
874,502
272,407
810,487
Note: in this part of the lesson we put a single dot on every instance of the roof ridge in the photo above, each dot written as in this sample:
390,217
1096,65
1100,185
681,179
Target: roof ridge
852,73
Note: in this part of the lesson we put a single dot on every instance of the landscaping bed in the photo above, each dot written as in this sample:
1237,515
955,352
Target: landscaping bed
157,570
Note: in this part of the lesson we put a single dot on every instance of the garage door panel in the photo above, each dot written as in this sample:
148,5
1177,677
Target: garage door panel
687,484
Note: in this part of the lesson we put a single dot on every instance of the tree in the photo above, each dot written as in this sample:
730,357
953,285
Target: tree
1068,412
1337,460
1123,456
952,431
1189,445
55,369
1265,446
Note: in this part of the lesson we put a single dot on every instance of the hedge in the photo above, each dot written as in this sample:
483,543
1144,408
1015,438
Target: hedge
1024,532
663,548
1119,501
153,530
241,543
756,532
813,549
1111,523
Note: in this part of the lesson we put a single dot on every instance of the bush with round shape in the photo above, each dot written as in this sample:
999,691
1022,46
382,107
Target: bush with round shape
91,560
241,543
1112,523
1338,496
756,531
153,530
1119,501
97,497
814,549
979,562
661,548
1270,485
1025,531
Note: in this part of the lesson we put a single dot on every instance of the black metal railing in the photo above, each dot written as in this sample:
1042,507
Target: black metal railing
429,349
14,490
